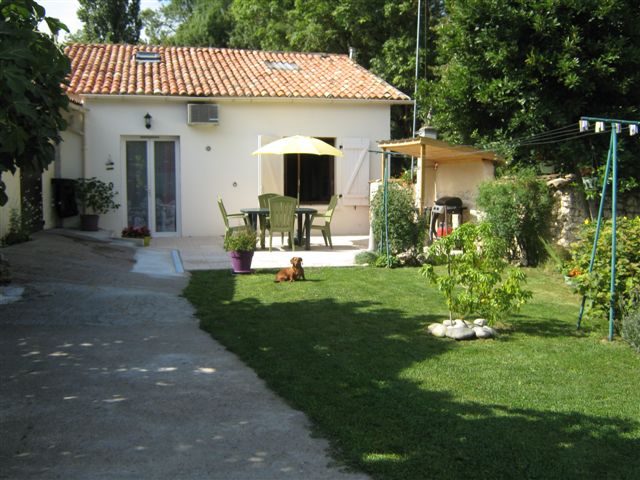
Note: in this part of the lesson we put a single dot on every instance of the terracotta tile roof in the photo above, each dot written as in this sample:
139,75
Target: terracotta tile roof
221,72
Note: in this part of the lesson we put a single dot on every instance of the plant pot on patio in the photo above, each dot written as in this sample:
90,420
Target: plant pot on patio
89,223
96,198
241,245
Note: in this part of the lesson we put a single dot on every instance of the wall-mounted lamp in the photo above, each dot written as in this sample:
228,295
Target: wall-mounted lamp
147,121
109,163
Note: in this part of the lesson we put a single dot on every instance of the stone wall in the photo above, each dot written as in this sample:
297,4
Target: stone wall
571,209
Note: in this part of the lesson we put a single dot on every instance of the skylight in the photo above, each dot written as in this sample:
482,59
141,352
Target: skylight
148,57
282,65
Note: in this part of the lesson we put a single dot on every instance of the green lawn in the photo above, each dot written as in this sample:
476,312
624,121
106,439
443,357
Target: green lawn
348,347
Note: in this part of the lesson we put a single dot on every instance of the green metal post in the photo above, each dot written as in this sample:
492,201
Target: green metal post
387,166
605,181
614,214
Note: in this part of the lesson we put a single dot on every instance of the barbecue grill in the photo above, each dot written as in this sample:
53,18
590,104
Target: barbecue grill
441,212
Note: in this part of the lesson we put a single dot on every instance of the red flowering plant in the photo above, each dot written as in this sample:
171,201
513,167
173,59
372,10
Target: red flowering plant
136,232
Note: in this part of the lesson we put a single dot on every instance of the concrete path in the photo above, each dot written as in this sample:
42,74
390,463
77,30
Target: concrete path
104,374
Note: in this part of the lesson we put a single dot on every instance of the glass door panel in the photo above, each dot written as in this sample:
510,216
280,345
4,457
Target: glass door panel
165,186
152,194
137,184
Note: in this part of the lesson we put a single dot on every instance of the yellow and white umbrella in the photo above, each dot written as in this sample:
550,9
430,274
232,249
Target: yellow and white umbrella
298,144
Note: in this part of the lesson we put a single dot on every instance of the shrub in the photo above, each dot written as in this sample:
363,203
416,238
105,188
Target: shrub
243,240
95,195
631,327
473,281
404,222
518,207
363,258
18,231
596,286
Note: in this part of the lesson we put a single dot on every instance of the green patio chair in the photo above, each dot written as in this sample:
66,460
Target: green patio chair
263,200
226,217
282,218
325,218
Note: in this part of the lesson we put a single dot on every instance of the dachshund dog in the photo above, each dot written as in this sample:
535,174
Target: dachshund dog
295,272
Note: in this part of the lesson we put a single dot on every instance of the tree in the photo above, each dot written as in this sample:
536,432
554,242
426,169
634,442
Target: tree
190,22
32,70
109,21
507,70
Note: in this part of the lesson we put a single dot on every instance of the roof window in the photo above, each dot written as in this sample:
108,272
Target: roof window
282,65
147,57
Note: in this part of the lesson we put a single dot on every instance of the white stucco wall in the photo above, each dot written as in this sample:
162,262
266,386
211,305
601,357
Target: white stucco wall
457,179
204,174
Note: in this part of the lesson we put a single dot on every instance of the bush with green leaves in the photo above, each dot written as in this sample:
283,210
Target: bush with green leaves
631,326
476,278
241,240
518,207
406,227
95,195
596,286
17,233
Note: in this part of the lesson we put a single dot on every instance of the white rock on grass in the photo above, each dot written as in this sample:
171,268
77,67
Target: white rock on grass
481,332
448,323
493,332
432,326
460,333
439,330
480,322
458,322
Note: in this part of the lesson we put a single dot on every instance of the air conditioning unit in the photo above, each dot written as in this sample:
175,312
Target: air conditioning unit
202,114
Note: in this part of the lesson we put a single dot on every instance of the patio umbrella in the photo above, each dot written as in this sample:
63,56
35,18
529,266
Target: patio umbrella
298,144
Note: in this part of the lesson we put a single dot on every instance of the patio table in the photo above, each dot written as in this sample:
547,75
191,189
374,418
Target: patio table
301,212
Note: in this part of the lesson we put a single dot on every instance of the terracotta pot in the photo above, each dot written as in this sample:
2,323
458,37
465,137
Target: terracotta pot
241,261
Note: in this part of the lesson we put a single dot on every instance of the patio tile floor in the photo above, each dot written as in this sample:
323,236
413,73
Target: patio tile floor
206,253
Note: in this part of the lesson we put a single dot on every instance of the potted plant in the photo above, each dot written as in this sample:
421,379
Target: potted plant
240,244
138,232
96,198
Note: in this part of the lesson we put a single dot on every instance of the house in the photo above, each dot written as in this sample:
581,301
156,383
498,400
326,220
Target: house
174,127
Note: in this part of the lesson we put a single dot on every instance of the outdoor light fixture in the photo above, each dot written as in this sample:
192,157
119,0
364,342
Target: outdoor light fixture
147,121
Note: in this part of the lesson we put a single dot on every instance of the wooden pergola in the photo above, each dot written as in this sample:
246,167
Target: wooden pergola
430,153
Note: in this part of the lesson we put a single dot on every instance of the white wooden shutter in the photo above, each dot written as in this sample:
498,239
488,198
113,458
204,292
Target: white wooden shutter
354,171
271,174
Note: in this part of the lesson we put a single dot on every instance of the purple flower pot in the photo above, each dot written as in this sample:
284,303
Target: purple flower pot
241,261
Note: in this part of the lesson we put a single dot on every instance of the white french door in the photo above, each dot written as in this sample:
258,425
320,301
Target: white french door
151,173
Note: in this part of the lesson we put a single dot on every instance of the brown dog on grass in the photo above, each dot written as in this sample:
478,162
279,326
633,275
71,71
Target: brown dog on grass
295,272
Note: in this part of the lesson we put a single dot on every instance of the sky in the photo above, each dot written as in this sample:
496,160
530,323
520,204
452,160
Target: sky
65,11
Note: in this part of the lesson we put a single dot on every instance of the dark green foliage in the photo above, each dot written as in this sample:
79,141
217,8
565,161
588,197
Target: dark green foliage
631,327
95,196
596,286
109,21
519,209
512,69
404,224
18,230
32,68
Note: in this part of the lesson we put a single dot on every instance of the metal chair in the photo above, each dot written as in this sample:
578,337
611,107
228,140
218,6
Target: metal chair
231,216
282,218
326,217
263,200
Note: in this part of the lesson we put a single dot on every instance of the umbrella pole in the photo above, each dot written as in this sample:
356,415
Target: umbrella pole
298,179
